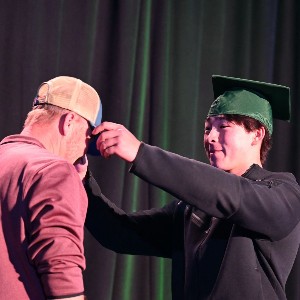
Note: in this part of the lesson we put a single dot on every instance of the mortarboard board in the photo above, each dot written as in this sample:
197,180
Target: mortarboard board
259,100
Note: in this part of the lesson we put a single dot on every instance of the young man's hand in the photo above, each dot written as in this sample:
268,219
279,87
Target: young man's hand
116,139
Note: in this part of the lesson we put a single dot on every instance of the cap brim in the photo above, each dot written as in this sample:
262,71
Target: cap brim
277,95
92,149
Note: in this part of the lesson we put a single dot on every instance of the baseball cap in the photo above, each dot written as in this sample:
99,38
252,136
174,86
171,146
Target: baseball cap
72,94
259,100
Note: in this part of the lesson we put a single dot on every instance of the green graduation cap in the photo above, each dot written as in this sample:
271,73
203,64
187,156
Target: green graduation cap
259,100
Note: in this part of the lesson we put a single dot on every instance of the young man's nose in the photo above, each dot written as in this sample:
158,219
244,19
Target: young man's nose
213,135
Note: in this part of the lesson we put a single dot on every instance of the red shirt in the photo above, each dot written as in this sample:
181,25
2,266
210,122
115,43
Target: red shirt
42,213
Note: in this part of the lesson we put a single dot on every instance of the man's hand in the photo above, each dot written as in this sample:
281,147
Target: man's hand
116,139
81,165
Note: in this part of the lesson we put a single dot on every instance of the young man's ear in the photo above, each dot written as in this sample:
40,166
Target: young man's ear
66,122
259,135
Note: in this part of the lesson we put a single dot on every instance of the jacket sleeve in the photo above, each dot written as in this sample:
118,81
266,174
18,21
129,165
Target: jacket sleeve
145,233
57,204
269,210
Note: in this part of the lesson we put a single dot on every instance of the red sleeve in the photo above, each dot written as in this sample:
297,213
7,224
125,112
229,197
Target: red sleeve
57,206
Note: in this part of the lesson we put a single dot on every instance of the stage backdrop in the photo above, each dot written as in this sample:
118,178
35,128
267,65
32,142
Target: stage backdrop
151,62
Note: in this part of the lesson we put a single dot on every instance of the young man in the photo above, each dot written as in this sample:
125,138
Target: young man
43,202
234,232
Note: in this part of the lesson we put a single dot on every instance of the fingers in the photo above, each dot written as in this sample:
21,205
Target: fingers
110,134
109,131
106,126
106,140
81,165
107,147
109,142
116,139
81,160
106,151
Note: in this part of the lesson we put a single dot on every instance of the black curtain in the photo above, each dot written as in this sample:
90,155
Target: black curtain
151,62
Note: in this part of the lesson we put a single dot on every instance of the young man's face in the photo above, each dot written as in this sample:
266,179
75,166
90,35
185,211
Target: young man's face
228,146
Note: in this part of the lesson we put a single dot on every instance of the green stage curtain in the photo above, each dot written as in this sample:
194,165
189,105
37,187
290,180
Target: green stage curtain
151,62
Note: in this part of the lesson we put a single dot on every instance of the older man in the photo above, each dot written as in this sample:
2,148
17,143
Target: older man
43,203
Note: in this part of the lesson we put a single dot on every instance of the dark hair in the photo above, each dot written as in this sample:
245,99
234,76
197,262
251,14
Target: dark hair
251,124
